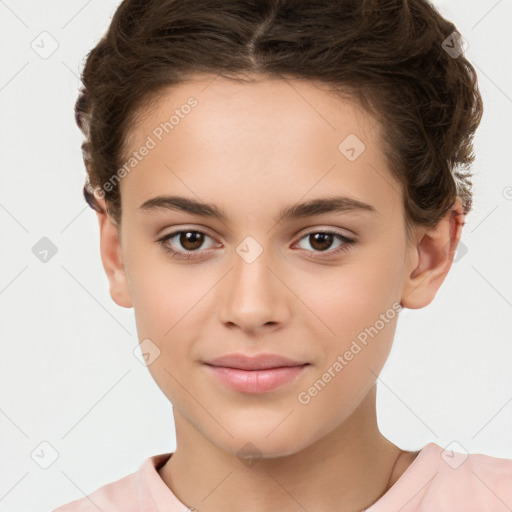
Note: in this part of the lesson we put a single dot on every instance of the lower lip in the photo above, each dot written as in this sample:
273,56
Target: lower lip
256,381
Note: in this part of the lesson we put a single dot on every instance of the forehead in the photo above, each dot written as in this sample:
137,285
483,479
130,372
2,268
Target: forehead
240,141
259,101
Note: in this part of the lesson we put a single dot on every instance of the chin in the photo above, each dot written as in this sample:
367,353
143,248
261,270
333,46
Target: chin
263,440
246,449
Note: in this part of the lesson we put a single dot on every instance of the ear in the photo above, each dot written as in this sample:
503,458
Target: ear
431,258
112,258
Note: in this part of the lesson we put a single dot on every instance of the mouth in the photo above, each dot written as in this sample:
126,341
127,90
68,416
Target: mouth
258,374
259,362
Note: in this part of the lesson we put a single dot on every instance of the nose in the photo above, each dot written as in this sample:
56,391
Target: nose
253,295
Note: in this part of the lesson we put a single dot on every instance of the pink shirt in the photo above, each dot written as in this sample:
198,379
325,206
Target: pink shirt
452,482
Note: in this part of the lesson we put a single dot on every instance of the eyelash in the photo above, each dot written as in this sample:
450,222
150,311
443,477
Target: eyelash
347,242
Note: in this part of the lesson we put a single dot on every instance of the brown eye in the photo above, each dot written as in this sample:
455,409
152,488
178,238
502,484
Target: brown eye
321,241
185,243
188,244
191,240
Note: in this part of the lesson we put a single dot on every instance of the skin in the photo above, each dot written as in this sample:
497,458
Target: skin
253,149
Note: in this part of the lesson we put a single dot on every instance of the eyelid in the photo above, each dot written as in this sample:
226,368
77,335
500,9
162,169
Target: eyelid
185,227
178,230
346,243
299,235
328,229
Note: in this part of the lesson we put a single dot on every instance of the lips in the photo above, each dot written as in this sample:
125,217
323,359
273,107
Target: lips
257,374
260,362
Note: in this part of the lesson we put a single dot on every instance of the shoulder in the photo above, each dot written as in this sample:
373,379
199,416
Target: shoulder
455,479
444,480
123,495
115,496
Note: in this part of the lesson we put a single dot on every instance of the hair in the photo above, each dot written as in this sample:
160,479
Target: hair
390,55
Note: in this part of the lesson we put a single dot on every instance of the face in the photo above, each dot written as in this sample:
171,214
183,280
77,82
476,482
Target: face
319,286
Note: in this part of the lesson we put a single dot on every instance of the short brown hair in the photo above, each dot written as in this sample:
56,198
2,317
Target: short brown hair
391,55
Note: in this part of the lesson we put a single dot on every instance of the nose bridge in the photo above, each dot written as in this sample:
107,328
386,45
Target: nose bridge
252,295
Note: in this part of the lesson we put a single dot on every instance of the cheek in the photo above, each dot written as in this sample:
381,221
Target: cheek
364,325
346,300
163,301
164,294
169,301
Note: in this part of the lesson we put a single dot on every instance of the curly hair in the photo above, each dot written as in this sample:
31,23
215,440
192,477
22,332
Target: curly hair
393,56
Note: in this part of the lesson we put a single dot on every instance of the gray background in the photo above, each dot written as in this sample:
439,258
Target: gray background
68,373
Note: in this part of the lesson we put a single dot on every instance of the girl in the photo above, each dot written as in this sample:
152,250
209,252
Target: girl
274,182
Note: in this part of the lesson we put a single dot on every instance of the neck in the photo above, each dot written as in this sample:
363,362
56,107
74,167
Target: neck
347,470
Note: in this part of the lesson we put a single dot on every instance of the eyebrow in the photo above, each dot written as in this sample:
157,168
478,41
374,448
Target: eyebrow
297,211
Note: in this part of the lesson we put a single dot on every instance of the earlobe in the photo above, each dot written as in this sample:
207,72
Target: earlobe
432,258
112,259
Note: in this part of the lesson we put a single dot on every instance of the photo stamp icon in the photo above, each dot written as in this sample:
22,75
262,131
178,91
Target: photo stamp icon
454,45
249,455
454,455
249,249
44,455
460,252
351,147
44,250
147,352
45,45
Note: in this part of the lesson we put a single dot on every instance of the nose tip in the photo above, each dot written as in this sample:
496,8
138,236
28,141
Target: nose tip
251,297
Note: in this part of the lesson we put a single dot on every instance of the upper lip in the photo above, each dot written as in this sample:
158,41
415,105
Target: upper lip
259,362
